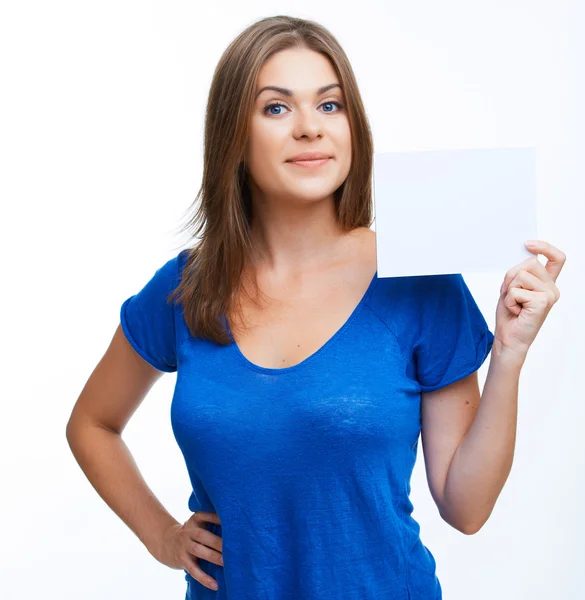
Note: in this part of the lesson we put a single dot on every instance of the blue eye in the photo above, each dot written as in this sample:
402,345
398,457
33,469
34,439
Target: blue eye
274,104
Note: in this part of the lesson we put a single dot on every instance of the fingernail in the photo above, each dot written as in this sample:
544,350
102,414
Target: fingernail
531,242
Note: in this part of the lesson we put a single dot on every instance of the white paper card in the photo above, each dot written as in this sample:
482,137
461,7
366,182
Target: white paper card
454,211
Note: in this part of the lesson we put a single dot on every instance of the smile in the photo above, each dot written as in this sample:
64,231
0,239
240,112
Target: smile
309,164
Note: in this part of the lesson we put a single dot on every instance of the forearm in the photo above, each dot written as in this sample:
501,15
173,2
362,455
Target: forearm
483,460
110,468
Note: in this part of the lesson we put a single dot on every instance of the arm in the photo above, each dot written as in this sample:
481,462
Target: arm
468,441
483,460
470,448
113,392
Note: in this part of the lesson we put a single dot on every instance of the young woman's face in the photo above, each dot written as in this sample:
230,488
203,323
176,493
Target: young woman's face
283,126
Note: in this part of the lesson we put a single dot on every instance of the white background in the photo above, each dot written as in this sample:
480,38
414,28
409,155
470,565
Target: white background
102,110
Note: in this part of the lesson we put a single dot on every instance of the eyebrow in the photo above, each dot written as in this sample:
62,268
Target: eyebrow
287,92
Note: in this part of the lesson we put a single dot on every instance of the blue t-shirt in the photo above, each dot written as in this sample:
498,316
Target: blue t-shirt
308,467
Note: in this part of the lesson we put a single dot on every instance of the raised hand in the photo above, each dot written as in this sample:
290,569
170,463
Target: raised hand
527,295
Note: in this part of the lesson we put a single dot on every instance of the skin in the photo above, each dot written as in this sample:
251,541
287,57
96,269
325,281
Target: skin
313,272
294,228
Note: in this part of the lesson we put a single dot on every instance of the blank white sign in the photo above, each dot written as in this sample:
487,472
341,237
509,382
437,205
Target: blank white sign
454,211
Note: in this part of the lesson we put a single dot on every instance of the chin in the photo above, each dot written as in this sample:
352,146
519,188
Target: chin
315,195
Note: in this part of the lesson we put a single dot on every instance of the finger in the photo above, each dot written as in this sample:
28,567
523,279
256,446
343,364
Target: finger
546,298
526,280
205,537
516,297
537,268
556,258
209,517
192,567
528,264
203,551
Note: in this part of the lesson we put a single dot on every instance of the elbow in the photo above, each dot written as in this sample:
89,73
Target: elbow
470,529
475,527
68,431
70,436
71,429
74,430
467,529
462,527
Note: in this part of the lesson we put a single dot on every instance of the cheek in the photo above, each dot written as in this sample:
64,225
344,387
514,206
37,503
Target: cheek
344,151
340,136
266,146
265,155
346,136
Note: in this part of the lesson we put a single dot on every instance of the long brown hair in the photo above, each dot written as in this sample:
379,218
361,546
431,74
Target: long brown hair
212,277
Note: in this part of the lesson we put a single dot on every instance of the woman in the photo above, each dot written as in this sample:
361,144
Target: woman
303,380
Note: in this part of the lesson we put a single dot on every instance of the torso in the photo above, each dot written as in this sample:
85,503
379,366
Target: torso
300,321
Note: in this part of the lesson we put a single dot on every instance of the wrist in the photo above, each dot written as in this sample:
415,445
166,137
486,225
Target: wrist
512,357
155,544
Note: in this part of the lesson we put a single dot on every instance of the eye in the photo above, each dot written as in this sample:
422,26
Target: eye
274,104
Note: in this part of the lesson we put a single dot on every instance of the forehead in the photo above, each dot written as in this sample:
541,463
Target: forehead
298,69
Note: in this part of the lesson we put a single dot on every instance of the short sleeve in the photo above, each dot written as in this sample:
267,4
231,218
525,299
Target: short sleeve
148,318
453,337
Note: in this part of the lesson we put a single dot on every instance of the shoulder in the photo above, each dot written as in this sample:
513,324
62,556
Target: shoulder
415,292
148,317
175,265
392,296
168,275
163,279
406,305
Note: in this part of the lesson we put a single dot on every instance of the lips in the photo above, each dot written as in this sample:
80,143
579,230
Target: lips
308,156
309,164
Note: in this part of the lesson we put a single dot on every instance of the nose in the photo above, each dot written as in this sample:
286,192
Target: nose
308,123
